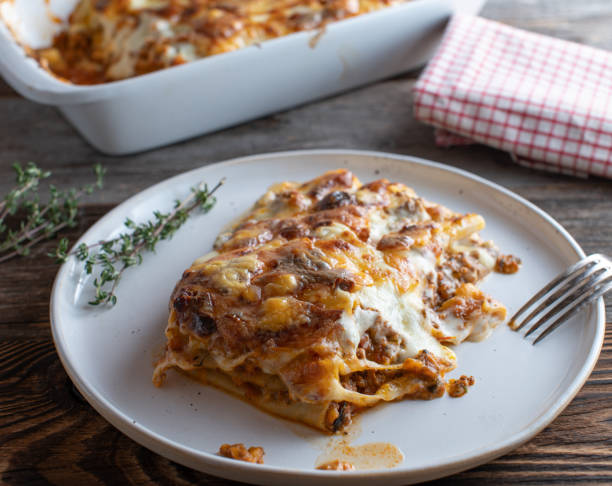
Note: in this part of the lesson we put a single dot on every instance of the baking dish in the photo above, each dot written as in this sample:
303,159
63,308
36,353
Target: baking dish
166,106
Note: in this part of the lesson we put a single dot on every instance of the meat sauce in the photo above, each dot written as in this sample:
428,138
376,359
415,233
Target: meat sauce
459,387
241,453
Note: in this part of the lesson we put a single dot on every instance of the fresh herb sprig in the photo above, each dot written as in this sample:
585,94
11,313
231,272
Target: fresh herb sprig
37,221
113,257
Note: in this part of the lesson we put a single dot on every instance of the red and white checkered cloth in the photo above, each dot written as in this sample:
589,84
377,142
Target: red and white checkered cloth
546,101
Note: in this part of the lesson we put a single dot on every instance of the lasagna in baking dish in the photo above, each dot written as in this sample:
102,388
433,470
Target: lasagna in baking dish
330,297
108,40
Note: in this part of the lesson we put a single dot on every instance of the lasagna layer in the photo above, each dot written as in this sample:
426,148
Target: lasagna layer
332,296
108,40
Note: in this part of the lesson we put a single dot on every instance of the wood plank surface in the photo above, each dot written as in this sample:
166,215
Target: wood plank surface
50,435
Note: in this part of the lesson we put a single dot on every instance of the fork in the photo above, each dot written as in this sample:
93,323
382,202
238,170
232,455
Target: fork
583,282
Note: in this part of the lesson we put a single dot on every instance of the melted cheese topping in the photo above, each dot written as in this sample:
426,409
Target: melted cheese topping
334,292
107,40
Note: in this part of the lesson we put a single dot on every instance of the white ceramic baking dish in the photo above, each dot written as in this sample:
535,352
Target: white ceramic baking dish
180,102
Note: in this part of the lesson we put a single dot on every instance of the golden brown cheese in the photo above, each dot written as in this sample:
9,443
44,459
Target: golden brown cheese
332,296
108,40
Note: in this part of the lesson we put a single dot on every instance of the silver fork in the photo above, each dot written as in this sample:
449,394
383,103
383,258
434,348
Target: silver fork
583,282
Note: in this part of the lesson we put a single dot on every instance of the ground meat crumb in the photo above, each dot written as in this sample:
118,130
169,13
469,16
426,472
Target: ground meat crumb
337,465
507,264
458,388
241,453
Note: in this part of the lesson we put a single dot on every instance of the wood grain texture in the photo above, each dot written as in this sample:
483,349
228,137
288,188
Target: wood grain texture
49,435
586,21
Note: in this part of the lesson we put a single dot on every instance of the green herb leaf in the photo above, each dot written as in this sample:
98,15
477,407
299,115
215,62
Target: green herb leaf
112,257
38,221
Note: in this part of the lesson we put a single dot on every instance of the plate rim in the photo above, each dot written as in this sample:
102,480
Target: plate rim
217,465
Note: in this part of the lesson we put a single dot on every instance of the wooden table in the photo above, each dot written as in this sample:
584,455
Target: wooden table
49,435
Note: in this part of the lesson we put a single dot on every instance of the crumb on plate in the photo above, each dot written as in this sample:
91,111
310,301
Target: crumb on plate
507,264
241,453
458,388
337,465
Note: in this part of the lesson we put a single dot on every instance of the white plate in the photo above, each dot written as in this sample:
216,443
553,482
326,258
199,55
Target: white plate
519,388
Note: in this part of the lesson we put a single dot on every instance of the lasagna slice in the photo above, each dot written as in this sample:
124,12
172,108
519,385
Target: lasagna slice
332,296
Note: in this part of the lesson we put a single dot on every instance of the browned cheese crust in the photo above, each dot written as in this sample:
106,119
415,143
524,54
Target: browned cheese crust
108,40
332,296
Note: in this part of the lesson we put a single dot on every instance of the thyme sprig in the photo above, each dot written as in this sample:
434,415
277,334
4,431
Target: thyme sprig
111,258
37,221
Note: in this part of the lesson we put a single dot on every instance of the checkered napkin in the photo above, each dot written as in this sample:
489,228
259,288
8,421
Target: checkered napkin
546,101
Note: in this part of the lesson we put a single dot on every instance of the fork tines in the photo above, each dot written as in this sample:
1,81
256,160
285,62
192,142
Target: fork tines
565,295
